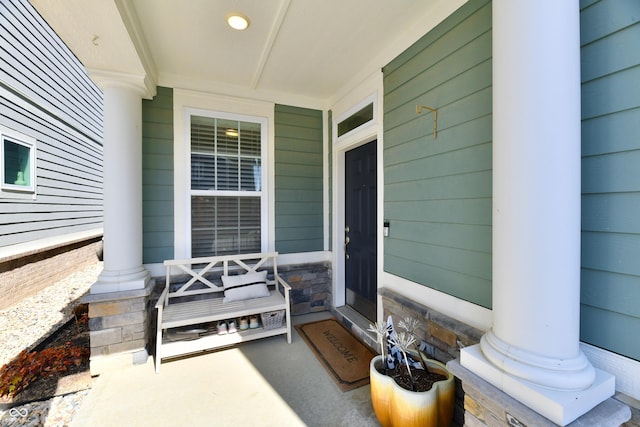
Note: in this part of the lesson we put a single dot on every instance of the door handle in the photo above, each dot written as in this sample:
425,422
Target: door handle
346,241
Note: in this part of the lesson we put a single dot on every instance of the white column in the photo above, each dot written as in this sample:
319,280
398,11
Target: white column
122,152
532,351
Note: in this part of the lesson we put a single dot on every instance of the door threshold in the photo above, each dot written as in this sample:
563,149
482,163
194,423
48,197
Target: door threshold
358,324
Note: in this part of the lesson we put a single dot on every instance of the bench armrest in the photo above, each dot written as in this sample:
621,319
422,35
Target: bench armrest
283,283
163,298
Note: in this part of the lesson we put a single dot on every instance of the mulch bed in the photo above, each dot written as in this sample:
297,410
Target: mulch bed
77,377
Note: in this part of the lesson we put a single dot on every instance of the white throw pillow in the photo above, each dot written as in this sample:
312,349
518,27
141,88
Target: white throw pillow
245,286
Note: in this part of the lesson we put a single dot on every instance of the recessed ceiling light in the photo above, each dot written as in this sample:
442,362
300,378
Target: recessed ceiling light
238,21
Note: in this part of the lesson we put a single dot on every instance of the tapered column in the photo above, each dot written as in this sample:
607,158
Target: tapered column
122,153
532,351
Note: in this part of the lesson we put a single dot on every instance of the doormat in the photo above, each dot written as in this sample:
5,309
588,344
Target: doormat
340,352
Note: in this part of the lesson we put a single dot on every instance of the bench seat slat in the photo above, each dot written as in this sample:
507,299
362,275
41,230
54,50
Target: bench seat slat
209,310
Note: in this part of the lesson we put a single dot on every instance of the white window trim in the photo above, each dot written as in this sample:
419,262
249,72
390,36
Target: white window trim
18,191
189,112
186,103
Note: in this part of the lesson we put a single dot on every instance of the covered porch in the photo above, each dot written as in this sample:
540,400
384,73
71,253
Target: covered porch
266,383
475,215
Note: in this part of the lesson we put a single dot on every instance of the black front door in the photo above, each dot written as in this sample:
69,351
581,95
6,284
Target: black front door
360,229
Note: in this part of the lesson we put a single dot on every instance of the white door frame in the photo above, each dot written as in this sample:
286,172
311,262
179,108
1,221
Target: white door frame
366,133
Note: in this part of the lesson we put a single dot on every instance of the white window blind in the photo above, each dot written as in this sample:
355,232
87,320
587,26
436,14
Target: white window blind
226,186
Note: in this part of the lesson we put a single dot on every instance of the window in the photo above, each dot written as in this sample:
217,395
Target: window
360,119
226,185
17,162
356,120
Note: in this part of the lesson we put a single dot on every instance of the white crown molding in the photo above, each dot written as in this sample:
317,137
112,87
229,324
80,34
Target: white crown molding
140,83
134,28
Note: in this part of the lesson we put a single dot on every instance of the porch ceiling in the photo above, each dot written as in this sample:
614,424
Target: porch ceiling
305,49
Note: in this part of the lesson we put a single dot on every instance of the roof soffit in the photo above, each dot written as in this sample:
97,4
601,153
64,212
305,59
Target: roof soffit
306,51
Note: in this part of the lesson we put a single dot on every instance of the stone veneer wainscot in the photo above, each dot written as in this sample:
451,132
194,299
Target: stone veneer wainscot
478,403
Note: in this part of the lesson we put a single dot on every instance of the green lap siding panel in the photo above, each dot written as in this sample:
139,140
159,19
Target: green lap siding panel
157,177
298,179
610,277
610,327
438,192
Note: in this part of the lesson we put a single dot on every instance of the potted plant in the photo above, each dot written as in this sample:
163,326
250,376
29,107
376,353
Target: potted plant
407,388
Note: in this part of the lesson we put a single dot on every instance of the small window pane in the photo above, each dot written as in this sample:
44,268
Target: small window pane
250,172
249,139
227,212
355,120
202,134
202,225
227,173
17,164
249,224
202,172
227,136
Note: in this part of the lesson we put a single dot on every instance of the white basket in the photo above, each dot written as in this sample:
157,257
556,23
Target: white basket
272,319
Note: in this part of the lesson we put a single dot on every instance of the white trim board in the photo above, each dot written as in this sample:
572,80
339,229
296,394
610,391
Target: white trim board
185,101
464,311
626,370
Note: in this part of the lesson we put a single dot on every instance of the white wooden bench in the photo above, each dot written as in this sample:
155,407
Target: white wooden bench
199,301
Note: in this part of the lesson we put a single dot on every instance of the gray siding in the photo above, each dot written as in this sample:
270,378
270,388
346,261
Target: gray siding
157,177
438,193
298,179
610,311
45,94
37,64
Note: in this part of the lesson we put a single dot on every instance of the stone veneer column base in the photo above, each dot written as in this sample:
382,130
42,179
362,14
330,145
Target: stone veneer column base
560,406
119,328
486,405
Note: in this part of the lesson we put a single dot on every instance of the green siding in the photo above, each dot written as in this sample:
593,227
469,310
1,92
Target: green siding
438,193
298,179
610,279
157,177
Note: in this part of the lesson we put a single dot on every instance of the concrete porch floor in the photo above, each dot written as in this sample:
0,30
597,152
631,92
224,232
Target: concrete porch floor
261,383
